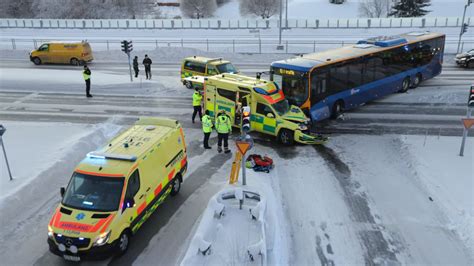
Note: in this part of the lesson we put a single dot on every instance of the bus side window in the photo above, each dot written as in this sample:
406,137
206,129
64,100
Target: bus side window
318,87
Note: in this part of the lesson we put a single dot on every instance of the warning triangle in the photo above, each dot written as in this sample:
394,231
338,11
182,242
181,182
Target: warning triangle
242,146
468,122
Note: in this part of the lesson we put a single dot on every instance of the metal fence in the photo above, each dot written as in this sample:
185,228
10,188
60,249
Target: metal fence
432,22
254,46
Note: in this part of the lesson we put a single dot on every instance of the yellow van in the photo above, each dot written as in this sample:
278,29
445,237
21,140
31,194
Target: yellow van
203,66
114,190
74,53
270,112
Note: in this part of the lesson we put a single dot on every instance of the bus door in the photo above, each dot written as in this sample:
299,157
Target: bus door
319,93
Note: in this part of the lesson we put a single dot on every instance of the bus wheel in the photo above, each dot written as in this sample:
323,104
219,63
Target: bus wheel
337,109
175,186
188,84
286,137
416,81
123,242
37,61
74,61
405,85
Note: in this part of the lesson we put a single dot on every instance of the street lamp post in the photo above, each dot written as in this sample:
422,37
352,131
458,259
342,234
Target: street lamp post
462,24
281,18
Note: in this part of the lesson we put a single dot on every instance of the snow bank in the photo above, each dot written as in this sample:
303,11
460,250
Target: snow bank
448,177
34,147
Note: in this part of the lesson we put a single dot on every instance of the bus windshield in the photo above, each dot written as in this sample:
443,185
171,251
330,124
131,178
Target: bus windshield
294,85
93,193
282,107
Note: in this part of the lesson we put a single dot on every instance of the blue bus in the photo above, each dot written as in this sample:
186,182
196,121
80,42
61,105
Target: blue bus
327,83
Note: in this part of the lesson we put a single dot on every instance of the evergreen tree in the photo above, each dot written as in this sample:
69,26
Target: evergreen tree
410,8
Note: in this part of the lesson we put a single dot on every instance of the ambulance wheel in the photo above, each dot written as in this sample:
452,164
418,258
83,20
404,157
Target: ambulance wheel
175,186
123,242
188,84
37,61
74,61
286,137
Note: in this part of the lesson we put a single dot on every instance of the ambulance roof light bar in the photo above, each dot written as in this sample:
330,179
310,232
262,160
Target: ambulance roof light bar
113,156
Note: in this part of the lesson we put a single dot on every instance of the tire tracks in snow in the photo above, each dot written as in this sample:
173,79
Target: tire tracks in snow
377,248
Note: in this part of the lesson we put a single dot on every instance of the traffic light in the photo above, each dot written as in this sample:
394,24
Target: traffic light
464,28
470,101
470,2
2,130
129,46
125,46
246,119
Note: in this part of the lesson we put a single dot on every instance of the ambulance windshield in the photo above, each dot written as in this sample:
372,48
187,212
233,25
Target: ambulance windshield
282,107
227,68
94,193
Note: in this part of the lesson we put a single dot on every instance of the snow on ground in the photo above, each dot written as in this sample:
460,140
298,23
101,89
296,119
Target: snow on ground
301,9
34,147
45,154
447,177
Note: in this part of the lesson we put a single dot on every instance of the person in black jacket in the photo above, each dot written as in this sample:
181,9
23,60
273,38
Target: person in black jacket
86,73
147,64
135,66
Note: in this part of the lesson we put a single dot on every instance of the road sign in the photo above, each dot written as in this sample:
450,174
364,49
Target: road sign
468,122
242,146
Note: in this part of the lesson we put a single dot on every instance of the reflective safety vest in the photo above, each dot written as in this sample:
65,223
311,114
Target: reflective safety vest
223,125
86,75
197,97
206,124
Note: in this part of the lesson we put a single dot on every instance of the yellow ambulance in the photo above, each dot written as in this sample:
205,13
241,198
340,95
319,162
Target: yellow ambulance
74,53
203,66
270,112
114,190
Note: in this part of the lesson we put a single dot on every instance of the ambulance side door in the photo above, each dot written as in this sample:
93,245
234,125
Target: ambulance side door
265,119
133,192
226,100
210,100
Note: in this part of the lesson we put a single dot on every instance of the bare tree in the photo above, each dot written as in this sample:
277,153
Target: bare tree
262,8
198,8
15,9
374,8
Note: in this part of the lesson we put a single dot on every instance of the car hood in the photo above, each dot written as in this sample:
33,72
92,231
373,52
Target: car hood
462,55
295,114
79,222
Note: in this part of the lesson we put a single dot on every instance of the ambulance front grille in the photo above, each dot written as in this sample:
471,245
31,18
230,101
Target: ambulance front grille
79,242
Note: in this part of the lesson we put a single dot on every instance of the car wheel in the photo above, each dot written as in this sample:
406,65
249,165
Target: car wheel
337,109
37,61
74,61
416,81
188,84
123,242
405,85
470,64
286,137
175,186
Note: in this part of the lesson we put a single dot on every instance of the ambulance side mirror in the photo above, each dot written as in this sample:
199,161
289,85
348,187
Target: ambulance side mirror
128,203
62,190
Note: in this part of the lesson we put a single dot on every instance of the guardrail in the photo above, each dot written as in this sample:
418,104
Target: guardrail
430,22
256,45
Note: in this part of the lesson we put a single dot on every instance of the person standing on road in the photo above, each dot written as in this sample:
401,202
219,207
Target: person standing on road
86,73
135,66
197,98
223,128
206,128
147,63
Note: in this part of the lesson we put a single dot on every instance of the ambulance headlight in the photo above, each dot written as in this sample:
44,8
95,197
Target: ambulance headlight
50,232
302,127
102,239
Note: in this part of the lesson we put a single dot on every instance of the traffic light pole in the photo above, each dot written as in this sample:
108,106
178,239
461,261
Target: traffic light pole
462,25
464,133
6,160
129,66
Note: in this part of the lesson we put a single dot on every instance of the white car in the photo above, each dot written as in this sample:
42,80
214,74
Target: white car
466,59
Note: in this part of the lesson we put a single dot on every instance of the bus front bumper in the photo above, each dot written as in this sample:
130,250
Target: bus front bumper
308,138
